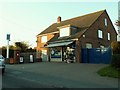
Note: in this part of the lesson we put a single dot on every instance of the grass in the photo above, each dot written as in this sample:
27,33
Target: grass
109,71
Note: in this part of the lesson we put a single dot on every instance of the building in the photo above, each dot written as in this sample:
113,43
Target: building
118,37
65,39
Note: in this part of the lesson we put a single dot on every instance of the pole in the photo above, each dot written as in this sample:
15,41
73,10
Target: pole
8,39
7,49
119,21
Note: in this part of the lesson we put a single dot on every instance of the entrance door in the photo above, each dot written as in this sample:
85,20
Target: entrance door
44,55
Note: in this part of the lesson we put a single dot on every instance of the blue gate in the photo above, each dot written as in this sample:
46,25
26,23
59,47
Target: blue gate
96,55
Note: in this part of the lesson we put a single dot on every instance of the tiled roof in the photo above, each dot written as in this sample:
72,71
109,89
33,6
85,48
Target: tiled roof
80,22
75,36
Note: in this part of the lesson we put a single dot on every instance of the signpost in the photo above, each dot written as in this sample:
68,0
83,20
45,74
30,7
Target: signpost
8,39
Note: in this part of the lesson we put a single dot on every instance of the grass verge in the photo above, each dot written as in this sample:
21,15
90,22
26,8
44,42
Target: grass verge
109,71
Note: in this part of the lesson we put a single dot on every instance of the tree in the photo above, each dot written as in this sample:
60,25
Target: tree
23,46
116,54
115,47
11,51
117,23
31,50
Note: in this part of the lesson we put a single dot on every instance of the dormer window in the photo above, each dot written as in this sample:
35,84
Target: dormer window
64,31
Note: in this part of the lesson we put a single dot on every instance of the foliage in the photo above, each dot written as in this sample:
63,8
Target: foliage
23,46
116,54
115,47
11,51
116,61
31,50
110,72
117,23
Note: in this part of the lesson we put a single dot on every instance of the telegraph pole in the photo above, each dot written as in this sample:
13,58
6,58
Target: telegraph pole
8,39
119,21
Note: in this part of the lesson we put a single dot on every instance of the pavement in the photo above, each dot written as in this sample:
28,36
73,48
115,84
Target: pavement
63,75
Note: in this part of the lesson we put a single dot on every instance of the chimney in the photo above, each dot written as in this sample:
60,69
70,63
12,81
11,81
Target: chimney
58,19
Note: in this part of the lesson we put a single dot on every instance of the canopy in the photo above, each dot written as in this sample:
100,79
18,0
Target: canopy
59,44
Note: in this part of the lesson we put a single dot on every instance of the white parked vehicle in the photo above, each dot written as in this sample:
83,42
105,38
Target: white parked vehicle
2,64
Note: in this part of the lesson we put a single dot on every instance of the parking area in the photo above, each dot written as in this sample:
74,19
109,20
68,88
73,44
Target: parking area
76,75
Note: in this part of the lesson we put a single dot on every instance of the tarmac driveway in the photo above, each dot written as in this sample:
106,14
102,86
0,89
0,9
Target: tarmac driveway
70,75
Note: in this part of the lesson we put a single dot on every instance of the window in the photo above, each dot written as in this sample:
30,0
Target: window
88,45
101,46
106,22
65,31
44,39
100,34
108,36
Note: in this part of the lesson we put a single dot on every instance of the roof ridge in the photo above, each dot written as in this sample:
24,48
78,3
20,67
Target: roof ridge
83,15
72,21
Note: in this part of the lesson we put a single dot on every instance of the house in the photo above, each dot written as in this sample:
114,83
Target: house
65,39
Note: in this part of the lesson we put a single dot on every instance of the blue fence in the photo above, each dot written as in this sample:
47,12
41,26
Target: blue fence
96,55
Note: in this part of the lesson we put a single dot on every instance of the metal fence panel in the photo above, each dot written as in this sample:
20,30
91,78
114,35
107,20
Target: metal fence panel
26,57
96,55
84,54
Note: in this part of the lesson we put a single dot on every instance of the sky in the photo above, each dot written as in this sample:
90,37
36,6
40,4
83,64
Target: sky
25,19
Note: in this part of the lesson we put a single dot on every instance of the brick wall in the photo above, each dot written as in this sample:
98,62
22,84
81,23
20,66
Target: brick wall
40,46
91,36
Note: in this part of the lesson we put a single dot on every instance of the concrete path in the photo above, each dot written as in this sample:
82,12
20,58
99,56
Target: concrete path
69,75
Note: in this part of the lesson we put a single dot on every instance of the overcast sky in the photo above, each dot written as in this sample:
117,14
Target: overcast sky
25,19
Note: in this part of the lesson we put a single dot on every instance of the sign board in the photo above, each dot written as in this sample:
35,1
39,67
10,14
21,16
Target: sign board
21,59
31,58
8,37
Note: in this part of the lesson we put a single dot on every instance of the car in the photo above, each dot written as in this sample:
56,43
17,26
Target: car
2,64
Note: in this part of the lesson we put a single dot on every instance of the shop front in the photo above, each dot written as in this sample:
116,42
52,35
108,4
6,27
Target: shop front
62,51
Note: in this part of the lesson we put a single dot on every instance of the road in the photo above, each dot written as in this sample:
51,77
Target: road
56,75
19,79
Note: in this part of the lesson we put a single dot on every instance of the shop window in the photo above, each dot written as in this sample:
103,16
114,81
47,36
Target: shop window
55,53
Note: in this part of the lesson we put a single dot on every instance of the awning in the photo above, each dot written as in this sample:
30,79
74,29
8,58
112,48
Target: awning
59,44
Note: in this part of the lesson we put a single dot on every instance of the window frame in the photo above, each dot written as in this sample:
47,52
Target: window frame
102,46
100,33
108,36
106,22
64,32
43,39
86,45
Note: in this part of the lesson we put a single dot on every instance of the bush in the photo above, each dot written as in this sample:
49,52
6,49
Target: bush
115,47
109,71
116,61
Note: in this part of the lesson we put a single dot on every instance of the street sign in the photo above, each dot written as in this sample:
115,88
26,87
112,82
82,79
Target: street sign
8,37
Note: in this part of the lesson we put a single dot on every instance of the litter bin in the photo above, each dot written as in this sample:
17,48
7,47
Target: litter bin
11,61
